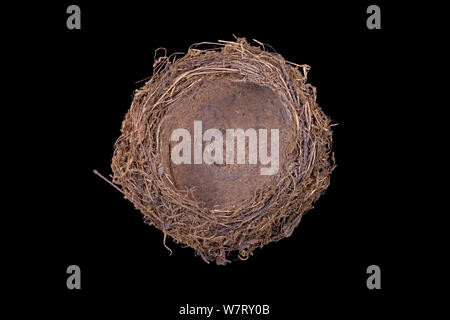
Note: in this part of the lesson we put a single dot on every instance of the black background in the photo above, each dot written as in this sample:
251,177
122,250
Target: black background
90,75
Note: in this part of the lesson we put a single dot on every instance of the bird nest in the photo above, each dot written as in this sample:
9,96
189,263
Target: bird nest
266,209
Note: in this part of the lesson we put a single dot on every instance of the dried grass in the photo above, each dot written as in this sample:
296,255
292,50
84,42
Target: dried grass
272,213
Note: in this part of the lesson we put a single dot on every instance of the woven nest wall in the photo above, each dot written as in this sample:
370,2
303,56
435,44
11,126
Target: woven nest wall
265,209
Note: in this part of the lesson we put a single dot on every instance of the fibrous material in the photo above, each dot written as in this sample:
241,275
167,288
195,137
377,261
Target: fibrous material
217,231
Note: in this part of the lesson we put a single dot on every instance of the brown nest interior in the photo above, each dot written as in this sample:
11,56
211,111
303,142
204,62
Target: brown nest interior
223,104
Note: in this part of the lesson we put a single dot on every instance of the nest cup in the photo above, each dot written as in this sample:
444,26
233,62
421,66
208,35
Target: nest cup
198,206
